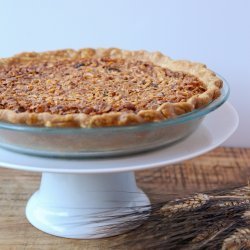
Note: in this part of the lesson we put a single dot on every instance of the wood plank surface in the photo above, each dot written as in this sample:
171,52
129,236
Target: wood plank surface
221,168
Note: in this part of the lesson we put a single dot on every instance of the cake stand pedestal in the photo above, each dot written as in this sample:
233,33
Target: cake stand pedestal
84,206
93,198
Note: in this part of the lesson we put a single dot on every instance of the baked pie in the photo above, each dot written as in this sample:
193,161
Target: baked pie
101,87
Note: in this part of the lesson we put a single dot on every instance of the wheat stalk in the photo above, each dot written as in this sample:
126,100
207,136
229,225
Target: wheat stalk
246,215
188,204
234,203
210,232
239,240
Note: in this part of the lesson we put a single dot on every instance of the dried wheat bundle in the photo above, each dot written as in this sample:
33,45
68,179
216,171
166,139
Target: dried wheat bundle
215,220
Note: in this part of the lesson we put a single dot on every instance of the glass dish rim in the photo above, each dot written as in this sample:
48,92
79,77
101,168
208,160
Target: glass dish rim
197,113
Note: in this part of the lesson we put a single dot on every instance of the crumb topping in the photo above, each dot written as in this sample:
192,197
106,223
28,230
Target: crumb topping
92,86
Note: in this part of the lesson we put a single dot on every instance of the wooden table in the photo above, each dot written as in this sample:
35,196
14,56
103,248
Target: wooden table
218,169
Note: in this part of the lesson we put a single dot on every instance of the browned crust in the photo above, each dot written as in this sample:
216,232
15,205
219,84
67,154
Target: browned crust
165,111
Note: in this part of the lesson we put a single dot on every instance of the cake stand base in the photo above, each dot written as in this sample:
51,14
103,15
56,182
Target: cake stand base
87,206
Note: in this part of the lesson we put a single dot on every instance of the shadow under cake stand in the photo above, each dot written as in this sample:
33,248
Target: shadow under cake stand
93,198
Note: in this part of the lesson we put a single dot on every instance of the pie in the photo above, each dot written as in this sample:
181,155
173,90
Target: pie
101,87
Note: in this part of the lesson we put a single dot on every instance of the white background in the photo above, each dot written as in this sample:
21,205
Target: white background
215,32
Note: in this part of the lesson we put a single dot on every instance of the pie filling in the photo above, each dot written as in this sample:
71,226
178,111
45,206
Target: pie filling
92,86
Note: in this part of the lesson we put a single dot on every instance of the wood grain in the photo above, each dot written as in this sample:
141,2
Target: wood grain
221,168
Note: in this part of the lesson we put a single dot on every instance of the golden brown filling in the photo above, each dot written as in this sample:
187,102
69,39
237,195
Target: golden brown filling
92,86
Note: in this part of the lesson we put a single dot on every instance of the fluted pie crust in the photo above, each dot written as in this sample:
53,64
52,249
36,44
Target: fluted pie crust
130,113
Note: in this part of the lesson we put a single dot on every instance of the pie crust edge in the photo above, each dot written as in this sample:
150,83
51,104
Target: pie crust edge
164,111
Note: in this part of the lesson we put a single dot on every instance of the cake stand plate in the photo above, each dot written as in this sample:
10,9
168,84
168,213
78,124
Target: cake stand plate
95,198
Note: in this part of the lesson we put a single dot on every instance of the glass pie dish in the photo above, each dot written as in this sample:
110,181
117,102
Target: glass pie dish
106,141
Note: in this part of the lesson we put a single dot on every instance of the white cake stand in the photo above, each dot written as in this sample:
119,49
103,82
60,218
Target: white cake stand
80,198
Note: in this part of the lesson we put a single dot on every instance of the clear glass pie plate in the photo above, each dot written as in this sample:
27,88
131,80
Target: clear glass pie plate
107,141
